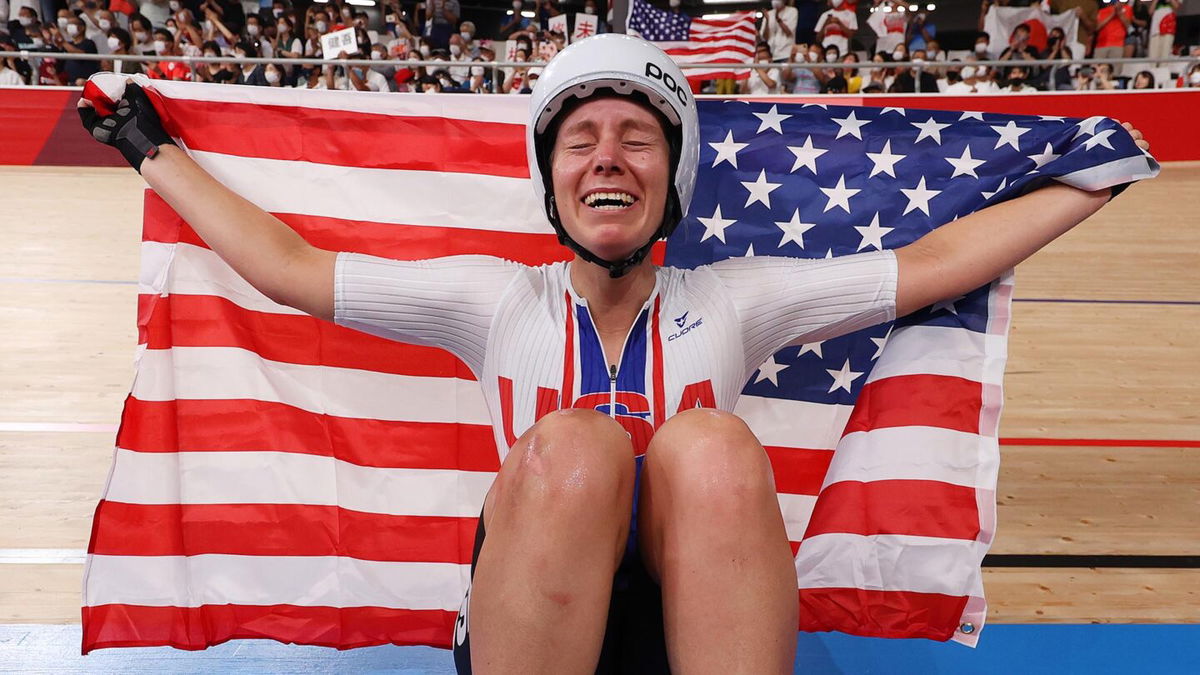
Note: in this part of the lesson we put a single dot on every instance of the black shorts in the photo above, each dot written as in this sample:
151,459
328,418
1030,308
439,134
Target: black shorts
634,643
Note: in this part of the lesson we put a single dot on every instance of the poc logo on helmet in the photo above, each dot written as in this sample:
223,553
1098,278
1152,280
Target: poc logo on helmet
654,71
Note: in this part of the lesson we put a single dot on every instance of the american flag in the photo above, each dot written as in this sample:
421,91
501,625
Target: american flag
280,477
689,40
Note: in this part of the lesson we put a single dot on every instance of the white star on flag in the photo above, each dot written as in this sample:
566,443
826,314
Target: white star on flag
1010,134
829,254
892,109
884,162
965,165
850,126
749,251
814,347
947,304
793,230
715,226
806,155
930,128
1043,158
879,343
971,115
1052,118
822,106
872,235
1099,139
769,371
760,190
839,196
1003,184
918,197
842,379
727,150
771,119
1088,126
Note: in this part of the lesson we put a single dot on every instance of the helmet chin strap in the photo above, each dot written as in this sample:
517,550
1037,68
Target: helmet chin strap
616,269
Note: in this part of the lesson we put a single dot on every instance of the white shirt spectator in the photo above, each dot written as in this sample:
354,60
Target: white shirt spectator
461,73
780,42
759,88
837,35
9,77
376,81
156,11
889,29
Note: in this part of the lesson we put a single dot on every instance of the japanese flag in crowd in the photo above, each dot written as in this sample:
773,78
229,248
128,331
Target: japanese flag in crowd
277,476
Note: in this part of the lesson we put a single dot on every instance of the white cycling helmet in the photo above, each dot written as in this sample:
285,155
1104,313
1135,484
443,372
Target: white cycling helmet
624,65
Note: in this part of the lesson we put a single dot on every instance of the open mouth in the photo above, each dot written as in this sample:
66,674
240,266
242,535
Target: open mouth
609,201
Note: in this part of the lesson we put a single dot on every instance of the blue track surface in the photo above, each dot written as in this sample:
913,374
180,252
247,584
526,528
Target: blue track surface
1007,649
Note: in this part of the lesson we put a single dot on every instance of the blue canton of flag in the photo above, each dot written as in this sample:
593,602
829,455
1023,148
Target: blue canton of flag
816,181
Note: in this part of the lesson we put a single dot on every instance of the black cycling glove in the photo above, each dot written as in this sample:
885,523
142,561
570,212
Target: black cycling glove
134,128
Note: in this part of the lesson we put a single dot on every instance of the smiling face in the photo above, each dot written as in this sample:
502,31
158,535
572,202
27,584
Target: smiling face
610,168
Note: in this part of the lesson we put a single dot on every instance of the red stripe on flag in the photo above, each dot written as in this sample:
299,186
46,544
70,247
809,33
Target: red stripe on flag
799,471
914,507
349,138
918,400
278,530
195,628
873,613
207,321
240,425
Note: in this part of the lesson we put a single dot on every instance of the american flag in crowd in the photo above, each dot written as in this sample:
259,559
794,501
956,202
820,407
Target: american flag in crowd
690,40
277,476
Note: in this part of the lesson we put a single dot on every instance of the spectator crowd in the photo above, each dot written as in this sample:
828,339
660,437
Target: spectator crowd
806,46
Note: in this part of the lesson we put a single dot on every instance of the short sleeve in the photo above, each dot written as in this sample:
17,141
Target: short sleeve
781,301
442,302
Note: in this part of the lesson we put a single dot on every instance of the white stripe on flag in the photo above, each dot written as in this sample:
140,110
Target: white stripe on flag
200,271
264,477
797,511
895,562
773,421
212,373
403,197
907,453
935,350
312,581
449,106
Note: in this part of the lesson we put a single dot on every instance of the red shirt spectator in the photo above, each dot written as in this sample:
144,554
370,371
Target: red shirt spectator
169,70
1112,34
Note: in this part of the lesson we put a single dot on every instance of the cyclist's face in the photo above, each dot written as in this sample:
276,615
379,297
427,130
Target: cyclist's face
610,171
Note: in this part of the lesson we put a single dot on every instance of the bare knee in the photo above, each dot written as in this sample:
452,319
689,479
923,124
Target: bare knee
570,459
712,461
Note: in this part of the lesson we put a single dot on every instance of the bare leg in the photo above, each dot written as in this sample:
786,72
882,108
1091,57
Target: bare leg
712,533
556,519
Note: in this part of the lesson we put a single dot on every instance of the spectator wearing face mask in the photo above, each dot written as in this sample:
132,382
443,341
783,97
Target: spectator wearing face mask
837,26
214,72
778,30
119,44
1018,49
515,22
802,80
763,81
890,27
459,54
76,42
248,73
983,47
217,30
168,68
10,68
907,77
515,77
466,32
383,66
429,85
287,43
255,32
274,75
141,31
1016,83
480,80
22,29
1192,78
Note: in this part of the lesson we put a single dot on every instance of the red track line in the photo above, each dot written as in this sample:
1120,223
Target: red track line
1102,442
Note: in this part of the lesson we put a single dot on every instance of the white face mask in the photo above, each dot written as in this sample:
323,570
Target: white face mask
777,4
321,26
25,20
62,23
139,36
38,42
240,55
173,30
252,29
272,76
981,71
981,47
830,58
455,50
898,56
113,43
465,36
376,56
476,70
968,72
282,28
72,30
1194,78
104,24
174,5
589,10
160,47
424,51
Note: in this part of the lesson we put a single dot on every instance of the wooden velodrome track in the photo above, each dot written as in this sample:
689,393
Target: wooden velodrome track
1104,348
